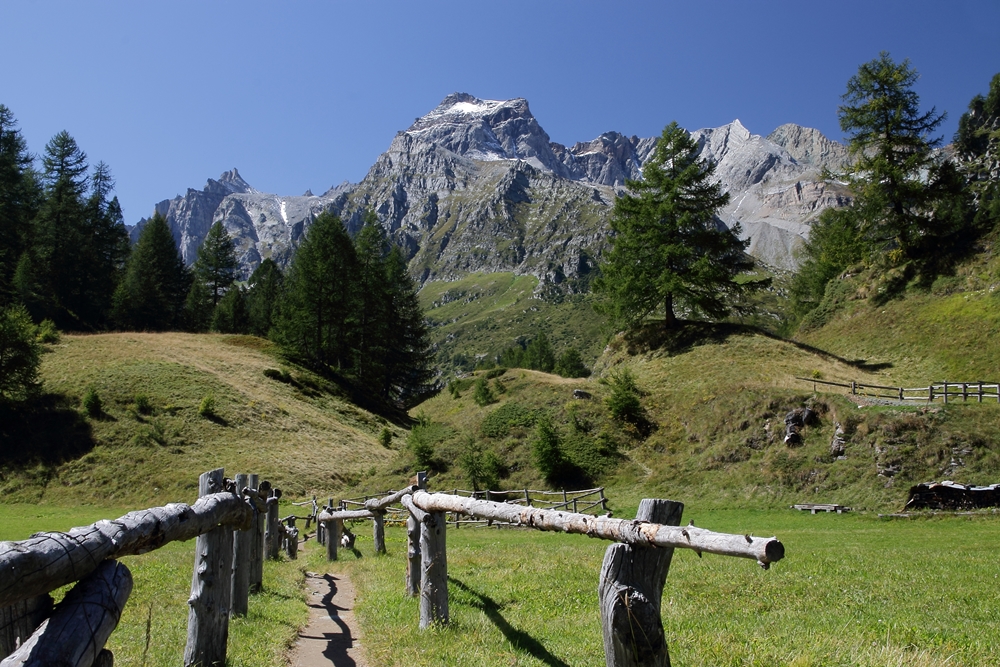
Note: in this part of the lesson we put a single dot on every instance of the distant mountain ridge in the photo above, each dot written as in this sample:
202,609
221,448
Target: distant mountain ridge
478,186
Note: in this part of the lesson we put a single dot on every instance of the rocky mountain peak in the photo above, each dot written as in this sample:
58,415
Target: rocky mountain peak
810,147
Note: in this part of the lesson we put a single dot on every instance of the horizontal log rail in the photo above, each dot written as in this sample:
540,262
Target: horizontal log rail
343,515
47,561
765,550
944,390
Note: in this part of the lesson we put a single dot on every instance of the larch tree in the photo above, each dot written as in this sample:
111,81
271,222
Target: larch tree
668,250
19,195
150,296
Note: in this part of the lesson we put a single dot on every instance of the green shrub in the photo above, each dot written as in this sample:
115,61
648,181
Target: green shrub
143,404
482,469
495,372
546,450
499,422
385,437
422,448
570,365
623,401
92,403
20,355
499,386
483,394
207,406
47,332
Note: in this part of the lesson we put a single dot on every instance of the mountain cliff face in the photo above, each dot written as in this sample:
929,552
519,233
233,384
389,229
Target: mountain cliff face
478,186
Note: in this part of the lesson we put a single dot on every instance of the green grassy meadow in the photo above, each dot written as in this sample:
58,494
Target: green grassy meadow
852,590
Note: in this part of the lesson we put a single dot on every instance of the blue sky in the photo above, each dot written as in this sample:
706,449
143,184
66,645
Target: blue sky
304,95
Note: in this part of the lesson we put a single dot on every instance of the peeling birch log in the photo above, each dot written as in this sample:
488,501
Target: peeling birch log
211,588
80,625
272,531
19,620
630,591
765,550
433,572
46,561
242,544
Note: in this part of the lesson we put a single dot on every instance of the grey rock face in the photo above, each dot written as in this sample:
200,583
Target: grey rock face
477,186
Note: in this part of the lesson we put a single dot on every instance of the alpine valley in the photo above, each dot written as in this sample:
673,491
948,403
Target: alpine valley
475,188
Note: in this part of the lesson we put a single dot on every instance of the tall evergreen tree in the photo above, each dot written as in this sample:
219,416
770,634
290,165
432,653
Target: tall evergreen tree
151,295
104,251
408,348
977,143
668,250
59,266
375,319
216,265
318,316
264,292
19,194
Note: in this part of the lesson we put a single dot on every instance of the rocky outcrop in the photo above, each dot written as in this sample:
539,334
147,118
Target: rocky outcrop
477,186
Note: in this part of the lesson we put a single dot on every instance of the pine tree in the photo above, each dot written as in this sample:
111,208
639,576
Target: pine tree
539,355
977,143
318,315
19,194
231,314
104,251
264,291
408,349
375,319
668,250
570,365
151,295
216,265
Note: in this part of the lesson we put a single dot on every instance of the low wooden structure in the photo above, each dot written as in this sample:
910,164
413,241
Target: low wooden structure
812,508
944,390
227,520
632,575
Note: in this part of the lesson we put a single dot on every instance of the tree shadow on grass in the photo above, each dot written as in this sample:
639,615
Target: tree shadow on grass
690,334
519,639
47,430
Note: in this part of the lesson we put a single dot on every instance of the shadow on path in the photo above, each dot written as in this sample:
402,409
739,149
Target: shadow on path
329,627
519,639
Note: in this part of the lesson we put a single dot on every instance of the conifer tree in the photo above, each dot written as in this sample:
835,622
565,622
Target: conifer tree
318,316
408,348
104,251
375,319
264,292
668,250
216,265
19,194
151,295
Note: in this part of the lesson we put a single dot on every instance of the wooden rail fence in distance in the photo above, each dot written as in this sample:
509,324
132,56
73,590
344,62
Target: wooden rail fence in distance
977,390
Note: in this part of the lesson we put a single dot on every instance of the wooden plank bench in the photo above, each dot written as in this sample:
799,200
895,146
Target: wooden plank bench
821,507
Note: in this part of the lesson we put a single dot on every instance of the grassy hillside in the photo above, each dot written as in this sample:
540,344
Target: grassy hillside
715,399
483,314
302,434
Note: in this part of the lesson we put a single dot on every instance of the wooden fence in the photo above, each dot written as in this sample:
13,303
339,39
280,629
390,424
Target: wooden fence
938,390
632,576
236,525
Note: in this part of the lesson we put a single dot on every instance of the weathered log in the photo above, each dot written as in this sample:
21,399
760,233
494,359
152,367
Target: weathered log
378,531
272,531
258,496
19,620
630,590
46,561
292,543
343,515
375,504
80,625
211,589
413,539
765,550
433,572
104,659
242,544
332,527
415,512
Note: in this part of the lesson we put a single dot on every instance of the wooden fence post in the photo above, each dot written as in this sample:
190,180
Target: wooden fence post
413,546
272,532
433,571
242,544
257,545
378,530
332,530
19,620
630,589
292,539
211,587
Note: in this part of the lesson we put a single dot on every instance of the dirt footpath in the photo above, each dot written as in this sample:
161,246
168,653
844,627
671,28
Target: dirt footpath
331,637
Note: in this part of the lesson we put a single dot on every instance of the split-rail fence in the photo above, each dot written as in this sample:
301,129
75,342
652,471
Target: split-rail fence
978,390
236,525
632,576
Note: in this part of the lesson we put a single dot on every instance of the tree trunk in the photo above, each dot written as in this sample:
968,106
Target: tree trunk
242,544
669,319
630,589
19,621
433,572
81,624
211,588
